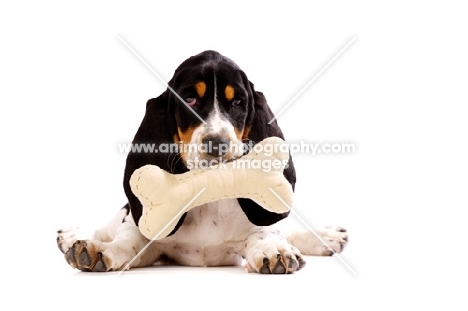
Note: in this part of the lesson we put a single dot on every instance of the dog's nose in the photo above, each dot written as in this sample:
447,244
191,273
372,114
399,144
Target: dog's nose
216,146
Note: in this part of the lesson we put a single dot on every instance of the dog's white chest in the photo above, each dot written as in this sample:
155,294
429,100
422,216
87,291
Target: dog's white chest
211,233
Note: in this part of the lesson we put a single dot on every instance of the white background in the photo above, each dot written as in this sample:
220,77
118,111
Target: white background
71,91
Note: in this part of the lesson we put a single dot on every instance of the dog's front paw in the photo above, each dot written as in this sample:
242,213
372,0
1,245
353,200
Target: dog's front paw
65,238
89,256
272,255
81,253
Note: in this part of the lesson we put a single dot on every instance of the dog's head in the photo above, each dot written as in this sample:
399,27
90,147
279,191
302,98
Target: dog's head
209,108
209,102
212,101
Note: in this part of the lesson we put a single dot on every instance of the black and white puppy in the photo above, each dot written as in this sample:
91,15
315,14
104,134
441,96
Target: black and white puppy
215,234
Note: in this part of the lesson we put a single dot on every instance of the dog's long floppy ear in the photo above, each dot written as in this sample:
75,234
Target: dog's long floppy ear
258,129
157,129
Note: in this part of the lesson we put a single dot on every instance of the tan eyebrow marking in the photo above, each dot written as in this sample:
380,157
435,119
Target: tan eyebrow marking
229,92
200,87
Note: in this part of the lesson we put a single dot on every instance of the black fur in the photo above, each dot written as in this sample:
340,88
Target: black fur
166,114
260,129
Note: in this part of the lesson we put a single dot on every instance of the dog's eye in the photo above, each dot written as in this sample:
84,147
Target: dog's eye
191,101
236,103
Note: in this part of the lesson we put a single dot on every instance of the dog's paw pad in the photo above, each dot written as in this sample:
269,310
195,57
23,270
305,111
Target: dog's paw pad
88,256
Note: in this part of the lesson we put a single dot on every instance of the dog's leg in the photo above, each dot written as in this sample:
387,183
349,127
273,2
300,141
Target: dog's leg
66,237
268,252
109,248
309,244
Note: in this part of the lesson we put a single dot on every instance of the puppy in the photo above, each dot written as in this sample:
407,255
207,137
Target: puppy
209,102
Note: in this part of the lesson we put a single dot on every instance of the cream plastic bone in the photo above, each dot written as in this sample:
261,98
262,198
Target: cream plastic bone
165,197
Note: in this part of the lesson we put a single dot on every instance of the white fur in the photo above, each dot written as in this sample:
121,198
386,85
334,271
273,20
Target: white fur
215,234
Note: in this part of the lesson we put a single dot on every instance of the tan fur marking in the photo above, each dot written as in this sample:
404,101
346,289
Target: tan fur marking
229,92
246,132
200,87
238,133
184,138
242,134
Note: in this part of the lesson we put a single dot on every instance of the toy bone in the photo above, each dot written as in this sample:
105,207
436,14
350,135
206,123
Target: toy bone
165,197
